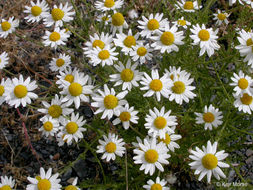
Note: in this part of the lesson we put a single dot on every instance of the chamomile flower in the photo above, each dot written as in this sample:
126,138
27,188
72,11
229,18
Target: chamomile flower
118,23
244,102
45,180
67,75
173,71
49,126
3,85
56,38
206,38
128,75
168,40
73,128
231,2
182,23
211,117
4,58
159,123
157,185
180,89
208,161
60,136
107,5
104,18
73,185
8,26
141,53
77,91
61,63
59,15
126,116
151,156
151,25
242,83
7,183
249,2
155,85
221,17
188,6
19,91
108,102
37,11
56,109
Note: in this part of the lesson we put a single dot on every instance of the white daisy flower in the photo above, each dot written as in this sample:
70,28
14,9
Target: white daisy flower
211,117
118,23
73,185
128,76
8,26
59,15
3,85
19,91
56,38
50,126
159,123
77,91
139,140
151,156
155,85
60,136
61,63
175,71
208,161
231,2
108,102
126,116
37,11
107,5
188,6
111,146
244,102
4,58
73,128
249,2
182,23
104,18
157,185
44,181
242,83
180,89
141,53
221,17
168,40
56,109
7,183
151,25
206,38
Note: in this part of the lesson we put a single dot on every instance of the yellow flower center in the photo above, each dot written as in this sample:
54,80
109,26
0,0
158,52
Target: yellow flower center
69,78
156,85
104,54
105,18
151,156
153,24
0,60
209,161
75,89
221,16
166,140
167,38
110,101
181,22
48,126
156,186
243,83
129,41
110,147
36,10
71,127
204,35
127,75
249,42
5,25
179,87
54,36
141,51
125,116
57,14
118,19
160,122
55,111
98,43
246,99
70,187
109,3
44,184
1,90
188,5
20,91
60,62
208,117
5,187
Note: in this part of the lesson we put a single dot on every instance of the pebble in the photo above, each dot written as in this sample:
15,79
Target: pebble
249,152
67,175
249,160
80,168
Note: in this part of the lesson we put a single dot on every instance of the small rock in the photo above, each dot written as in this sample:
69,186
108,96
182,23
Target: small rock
231,176
80,168
249,152
70,181
56,156
249,160
67,175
